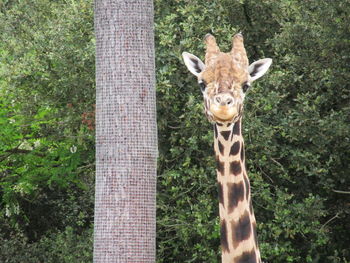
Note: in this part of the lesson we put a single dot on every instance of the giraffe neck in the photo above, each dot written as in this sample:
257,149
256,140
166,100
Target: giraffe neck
237,220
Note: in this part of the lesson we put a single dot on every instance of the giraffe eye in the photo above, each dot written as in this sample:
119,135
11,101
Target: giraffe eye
245,87
202,85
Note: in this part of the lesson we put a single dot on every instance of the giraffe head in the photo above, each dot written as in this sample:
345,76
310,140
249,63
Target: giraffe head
225,78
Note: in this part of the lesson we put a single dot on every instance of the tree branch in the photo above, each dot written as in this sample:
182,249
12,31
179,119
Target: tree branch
341,192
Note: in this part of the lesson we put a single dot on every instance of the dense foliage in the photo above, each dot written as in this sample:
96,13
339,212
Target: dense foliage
296,128
46,131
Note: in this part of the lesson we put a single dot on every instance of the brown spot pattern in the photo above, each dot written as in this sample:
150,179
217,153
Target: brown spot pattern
246,257
241,230
221,148
247,185
235,148
223,236
235,167
225,134
220,166
242,153
220,192
237,128
235,192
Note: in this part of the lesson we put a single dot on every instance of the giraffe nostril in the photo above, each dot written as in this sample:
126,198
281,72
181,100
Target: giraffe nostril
224,100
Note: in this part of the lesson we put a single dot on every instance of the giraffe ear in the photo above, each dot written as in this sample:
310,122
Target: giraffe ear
258,68
194,64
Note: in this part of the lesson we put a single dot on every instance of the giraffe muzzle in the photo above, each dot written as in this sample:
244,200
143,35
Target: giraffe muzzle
223,113
223,107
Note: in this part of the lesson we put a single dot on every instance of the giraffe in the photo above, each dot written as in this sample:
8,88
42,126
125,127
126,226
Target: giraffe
224,79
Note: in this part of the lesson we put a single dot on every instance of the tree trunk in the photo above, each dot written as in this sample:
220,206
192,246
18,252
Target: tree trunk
126,132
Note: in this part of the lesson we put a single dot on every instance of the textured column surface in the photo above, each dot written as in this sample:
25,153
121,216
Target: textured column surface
126,132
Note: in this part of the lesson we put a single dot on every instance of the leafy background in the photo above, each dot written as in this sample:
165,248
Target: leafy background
296,128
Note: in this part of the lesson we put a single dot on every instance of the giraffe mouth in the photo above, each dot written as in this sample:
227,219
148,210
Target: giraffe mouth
223,113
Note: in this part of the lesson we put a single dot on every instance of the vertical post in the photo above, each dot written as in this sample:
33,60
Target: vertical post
126,132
